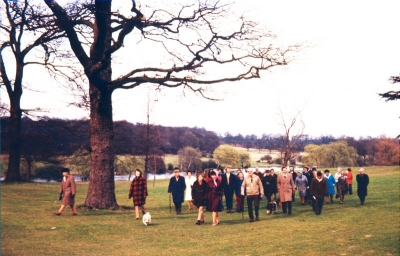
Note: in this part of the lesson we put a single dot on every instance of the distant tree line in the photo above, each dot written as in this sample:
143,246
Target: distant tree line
56,137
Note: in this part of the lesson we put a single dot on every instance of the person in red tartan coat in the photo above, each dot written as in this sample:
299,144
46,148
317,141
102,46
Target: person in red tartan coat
138,191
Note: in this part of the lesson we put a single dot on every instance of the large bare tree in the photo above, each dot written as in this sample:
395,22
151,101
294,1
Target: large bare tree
27,30
202,45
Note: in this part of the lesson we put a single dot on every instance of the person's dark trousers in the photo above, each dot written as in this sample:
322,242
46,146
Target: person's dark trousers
350,189
313,203
362,199
319,202
293,197
287,207
250,200
178,208
269,199
229,199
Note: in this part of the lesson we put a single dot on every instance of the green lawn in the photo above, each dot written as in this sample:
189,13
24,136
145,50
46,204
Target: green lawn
30,228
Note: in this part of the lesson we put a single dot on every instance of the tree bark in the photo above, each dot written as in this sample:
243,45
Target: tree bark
14,172
101,191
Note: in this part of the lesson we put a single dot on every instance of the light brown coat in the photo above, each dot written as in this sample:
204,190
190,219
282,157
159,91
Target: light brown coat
68,190
285,187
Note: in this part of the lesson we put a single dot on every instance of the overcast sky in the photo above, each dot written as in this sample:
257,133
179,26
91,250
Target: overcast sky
354,49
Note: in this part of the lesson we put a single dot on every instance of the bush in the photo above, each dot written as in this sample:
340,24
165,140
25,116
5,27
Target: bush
170,167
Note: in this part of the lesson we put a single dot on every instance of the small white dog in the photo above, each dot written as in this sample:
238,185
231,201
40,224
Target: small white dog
146,219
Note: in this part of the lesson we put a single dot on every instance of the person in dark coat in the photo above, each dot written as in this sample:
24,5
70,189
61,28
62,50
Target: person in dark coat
294,176
67,192
199,190
274,189
318,189
269,185
214,195
362,183
177,188
238,192
229,181
138,191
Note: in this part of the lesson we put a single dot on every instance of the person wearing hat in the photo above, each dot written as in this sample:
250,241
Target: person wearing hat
318,190
330,181
138,191
67,192
269,185
362,184
177,187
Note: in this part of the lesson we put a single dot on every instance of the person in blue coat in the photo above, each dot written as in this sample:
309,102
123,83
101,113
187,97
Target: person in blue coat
330,181
177,188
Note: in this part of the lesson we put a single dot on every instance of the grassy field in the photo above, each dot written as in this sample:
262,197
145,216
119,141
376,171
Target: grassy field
30,228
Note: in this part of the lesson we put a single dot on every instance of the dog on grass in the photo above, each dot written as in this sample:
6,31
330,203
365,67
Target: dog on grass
271,208
146,219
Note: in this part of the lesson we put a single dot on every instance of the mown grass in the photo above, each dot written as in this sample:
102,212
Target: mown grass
30,228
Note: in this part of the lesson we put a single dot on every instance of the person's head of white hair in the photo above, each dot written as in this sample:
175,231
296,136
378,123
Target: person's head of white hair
361,170
339,169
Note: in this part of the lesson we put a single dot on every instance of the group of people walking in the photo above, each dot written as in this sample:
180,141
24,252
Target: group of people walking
206,190
210,186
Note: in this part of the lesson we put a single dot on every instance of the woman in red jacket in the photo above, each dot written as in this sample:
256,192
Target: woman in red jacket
138,191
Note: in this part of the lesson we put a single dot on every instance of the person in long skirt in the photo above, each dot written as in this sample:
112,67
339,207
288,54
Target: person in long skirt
189,180
214,196
199,190
138,191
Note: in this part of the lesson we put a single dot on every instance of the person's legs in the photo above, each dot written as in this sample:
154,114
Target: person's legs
257,206
284,207
250,207
229,200
60,210
289,207
214,218
73,209
350,189
137,211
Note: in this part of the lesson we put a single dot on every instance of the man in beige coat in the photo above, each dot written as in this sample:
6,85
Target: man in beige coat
67,192
286,188
252,188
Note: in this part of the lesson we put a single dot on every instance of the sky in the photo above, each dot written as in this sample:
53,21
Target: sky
334,83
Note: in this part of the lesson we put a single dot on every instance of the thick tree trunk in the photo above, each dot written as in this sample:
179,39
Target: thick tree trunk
101,191
14,172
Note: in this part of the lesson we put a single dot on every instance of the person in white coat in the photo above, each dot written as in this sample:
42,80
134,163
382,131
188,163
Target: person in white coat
189,180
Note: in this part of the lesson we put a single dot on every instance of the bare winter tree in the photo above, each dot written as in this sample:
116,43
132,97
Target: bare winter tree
197,50
290,141
27,30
